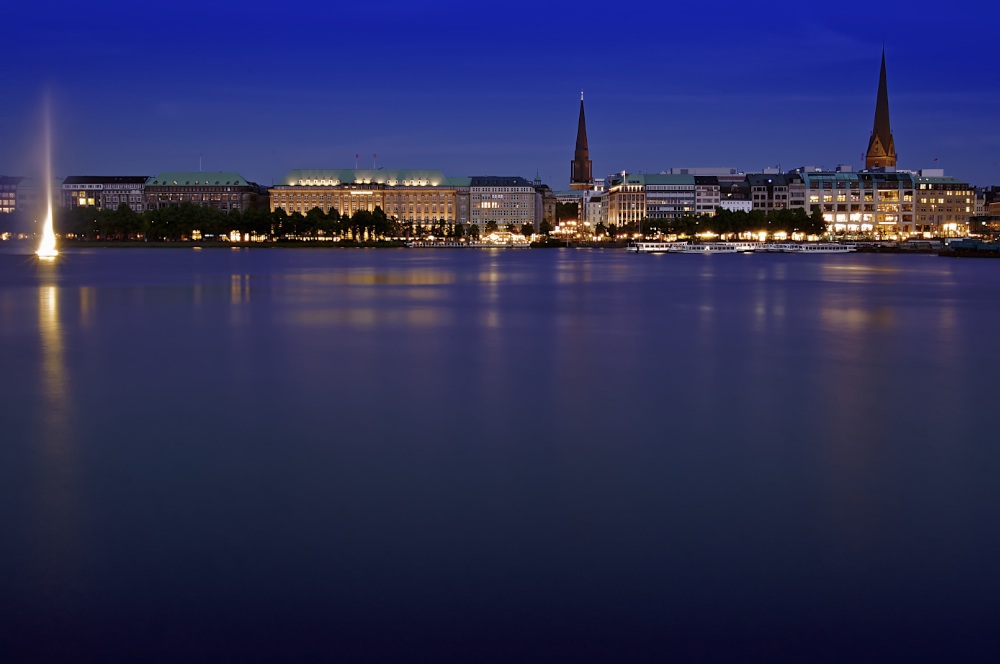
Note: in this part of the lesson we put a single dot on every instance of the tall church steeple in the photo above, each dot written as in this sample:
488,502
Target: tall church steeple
581,171
881,147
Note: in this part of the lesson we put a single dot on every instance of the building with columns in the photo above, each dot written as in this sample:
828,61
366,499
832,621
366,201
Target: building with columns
423,198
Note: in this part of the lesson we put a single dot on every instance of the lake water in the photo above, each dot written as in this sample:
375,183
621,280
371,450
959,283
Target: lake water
227,455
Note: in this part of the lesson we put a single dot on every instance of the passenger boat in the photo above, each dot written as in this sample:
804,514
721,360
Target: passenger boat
705,248
809,248
649,247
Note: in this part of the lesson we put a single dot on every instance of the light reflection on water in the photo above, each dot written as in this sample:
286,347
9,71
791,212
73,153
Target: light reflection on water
458,441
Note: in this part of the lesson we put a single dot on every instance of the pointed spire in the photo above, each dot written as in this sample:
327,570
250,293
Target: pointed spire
881,147
581,172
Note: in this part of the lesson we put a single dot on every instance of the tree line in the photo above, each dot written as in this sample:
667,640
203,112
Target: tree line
727,222
180,222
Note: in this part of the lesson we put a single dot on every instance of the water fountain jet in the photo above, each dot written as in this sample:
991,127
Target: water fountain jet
47,246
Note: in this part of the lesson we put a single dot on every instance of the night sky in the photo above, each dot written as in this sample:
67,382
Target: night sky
493,88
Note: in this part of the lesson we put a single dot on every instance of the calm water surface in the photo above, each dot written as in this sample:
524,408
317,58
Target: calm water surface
228,455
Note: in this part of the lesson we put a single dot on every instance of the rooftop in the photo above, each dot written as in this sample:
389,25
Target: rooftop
197,179
106,179
329,177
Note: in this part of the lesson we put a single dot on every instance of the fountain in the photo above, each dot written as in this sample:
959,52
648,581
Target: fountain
47,246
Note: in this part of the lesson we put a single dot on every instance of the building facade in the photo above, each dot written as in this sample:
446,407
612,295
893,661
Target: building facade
869,202
223,191
423,198
943,205
707,195
769,192
506,201
104,192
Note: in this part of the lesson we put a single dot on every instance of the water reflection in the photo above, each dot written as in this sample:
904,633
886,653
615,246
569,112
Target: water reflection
371,317
239,288
60,521
372,277
88,302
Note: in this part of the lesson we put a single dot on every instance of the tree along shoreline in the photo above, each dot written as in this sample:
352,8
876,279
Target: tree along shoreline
188,224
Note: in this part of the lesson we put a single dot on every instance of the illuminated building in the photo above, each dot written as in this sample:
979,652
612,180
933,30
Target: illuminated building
423,198
104,192
943,204
220,190
581,168
870,202
504,200
881,146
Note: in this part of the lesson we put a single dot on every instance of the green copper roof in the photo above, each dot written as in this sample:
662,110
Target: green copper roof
940,179
394,177
197,179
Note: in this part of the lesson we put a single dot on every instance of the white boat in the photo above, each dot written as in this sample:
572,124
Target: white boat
809,248
649,247
705,248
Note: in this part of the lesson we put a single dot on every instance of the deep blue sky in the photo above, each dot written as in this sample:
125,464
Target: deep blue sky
474,88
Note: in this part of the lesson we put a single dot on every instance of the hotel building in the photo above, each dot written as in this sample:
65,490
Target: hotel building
424,198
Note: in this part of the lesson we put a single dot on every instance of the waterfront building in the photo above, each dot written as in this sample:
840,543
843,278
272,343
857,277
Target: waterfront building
225,191
632,197
707,195
104,192
943,205
871,202
769,191
581,168
425,199
671,196
626,199
504,200
881,146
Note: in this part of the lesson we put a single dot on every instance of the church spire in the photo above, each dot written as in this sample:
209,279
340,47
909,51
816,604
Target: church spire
581,170
881,146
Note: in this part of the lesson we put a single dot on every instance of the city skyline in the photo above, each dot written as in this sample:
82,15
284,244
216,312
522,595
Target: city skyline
147,90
